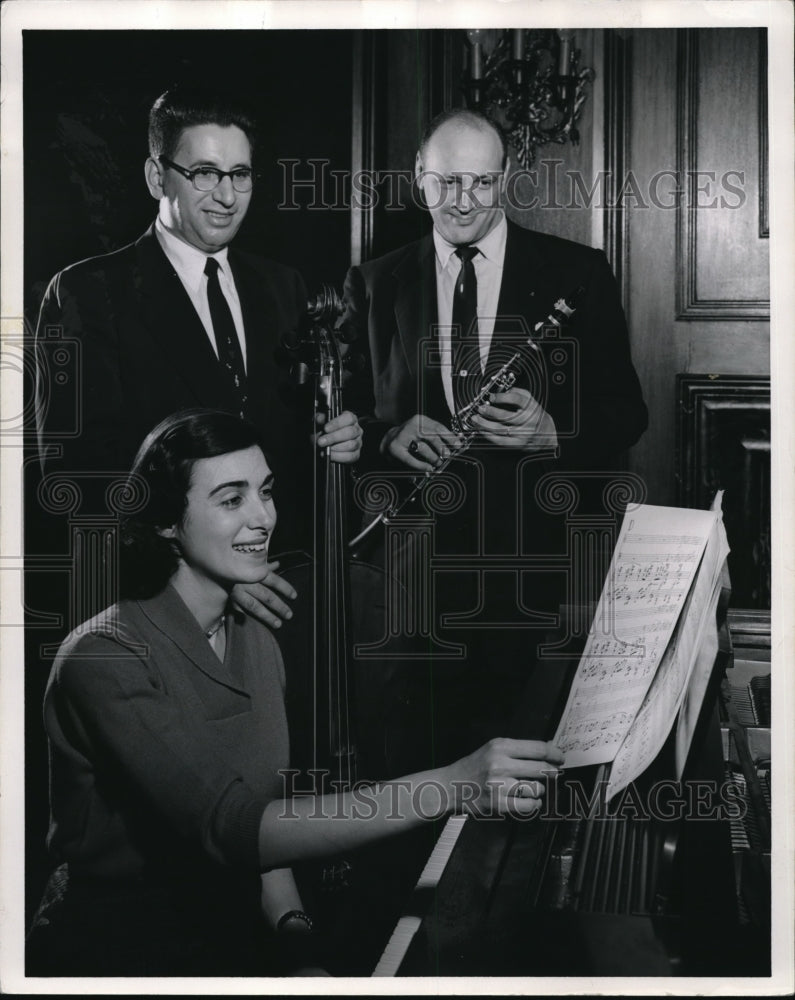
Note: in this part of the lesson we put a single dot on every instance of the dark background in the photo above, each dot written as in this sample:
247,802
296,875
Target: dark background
86,100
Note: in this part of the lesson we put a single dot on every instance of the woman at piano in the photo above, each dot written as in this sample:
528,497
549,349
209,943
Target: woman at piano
165,716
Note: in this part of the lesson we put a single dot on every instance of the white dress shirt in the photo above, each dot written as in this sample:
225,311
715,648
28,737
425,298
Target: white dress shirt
189,263
488,272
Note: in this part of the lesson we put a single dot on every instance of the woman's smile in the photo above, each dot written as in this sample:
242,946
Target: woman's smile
252,548
229,518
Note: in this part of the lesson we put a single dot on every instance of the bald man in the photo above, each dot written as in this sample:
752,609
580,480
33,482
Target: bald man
438,317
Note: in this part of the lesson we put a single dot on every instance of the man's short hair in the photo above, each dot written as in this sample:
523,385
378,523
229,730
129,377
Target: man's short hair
464,116
182,106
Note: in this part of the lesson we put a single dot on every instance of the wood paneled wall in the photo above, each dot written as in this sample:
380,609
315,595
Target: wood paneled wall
698,270
669,178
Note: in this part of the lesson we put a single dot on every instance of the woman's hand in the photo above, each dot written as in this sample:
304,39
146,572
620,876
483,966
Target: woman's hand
504,777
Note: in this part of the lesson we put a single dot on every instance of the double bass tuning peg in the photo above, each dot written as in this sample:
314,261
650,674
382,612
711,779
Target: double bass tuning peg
326,306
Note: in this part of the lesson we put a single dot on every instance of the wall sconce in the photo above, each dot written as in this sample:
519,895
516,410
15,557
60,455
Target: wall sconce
529,83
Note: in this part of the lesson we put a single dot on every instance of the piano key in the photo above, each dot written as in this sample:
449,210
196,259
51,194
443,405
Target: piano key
606,899
409,923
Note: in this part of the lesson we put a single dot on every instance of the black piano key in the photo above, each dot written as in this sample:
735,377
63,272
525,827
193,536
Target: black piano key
596,866
642,904
631,867
621,868
583,863
607,894
656,901
587,861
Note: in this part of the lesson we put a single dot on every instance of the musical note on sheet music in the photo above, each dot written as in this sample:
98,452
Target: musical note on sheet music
657,555
683,671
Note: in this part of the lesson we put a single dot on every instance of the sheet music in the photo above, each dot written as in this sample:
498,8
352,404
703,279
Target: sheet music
708,650
657,554
667,691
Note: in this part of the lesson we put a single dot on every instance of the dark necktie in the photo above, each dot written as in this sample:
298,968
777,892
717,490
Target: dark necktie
466,345
226,340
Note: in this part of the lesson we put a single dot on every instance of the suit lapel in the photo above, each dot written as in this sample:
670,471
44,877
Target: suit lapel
259,314
416,315
415,299
264,322
520,290
177,330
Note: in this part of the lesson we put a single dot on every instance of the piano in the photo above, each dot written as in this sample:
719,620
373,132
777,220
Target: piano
678,888
745,729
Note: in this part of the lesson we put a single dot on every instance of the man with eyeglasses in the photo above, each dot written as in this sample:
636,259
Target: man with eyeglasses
440,317
179,319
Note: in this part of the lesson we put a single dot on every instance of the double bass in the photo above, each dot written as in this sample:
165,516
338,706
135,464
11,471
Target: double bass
329,728
341,707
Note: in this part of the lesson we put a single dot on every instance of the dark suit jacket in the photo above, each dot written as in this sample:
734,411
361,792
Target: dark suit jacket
591,389
119,346
583,376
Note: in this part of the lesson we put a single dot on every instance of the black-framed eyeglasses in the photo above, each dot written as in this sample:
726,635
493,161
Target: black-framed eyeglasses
208,178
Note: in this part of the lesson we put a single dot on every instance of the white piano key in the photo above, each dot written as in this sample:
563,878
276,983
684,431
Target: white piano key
409,923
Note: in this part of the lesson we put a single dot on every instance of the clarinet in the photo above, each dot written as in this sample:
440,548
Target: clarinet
501,381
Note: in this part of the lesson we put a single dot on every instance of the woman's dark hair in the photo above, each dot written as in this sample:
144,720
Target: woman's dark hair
158,490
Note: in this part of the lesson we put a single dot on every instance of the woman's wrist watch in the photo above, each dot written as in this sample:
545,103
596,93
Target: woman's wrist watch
298,945
297,916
